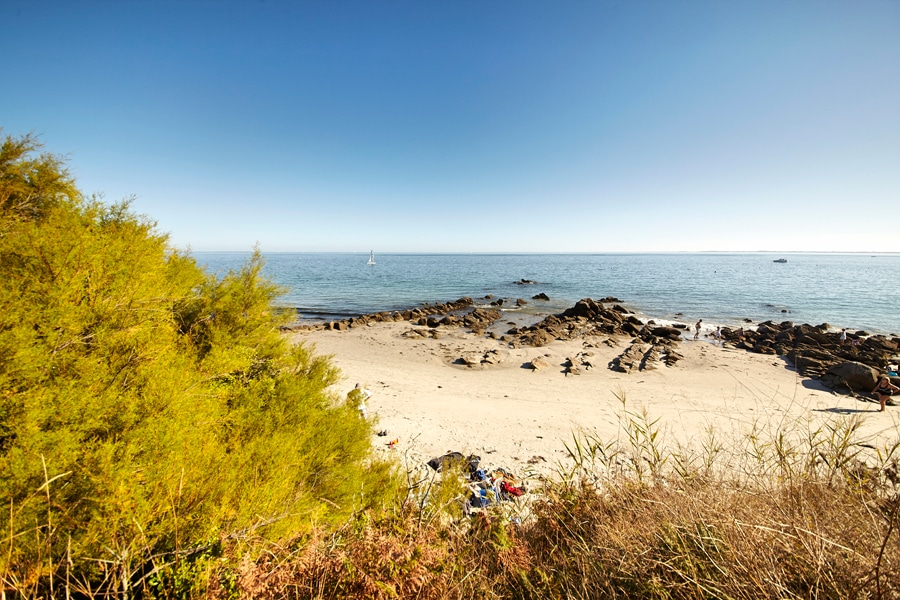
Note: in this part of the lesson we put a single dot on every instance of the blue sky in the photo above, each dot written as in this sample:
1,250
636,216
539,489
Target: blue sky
462,126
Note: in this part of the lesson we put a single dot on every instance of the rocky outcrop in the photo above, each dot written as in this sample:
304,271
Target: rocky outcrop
482,359
652,345
422,315
477,320
672,333
579,363
854,376
819,353
631,359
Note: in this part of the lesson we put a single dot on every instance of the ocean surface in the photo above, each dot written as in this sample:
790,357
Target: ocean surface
857,291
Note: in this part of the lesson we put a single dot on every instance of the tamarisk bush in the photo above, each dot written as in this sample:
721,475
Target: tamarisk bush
148,410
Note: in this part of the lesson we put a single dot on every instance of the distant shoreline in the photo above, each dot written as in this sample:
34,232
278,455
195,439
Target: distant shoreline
531,316
849,290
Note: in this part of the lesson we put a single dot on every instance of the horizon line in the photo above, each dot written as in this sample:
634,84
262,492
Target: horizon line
449,252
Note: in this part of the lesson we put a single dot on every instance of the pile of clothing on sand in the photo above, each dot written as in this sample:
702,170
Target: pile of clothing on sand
486,486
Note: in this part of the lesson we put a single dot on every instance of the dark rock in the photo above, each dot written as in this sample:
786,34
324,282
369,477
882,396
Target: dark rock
666,332
537,338
585,307
854,376
631,329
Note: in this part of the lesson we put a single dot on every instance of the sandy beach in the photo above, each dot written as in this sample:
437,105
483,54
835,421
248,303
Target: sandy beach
518,418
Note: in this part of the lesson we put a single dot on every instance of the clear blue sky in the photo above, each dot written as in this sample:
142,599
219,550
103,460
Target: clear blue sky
489,125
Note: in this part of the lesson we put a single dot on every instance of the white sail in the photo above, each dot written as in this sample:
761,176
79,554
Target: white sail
371,258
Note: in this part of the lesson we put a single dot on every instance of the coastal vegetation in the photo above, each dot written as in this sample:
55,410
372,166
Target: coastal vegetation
149,412
160,438
788,513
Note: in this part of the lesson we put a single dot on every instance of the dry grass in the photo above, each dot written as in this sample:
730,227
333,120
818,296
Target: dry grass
796,514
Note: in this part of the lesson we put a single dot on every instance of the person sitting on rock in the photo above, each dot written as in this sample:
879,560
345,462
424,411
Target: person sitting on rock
883,391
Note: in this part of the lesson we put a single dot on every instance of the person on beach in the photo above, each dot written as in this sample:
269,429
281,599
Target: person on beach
883,391
843,336
364,395
697,329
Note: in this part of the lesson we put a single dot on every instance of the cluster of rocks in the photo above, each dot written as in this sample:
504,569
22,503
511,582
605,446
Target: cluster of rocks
519,302
483,359
852,364
477,320
587,317
643,356
650,345
427,314
572,365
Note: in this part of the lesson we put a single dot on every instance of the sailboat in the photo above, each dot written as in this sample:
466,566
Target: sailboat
371,258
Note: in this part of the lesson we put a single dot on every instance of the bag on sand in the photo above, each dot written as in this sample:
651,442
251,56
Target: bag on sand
442,462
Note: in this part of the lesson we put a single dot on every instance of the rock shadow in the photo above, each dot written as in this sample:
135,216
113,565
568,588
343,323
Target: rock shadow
843,411
816,385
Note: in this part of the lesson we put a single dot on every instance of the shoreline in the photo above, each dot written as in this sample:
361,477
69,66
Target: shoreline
427,393
533,312
721,288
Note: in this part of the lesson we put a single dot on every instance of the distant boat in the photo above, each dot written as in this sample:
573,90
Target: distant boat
780,260
371,258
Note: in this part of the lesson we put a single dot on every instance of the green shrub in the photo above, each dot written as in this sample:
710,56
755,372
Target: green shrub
148,411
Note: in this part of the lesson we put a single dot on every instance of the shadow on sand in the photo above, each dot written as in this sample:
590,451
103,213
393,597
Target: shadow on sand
815,384
845,411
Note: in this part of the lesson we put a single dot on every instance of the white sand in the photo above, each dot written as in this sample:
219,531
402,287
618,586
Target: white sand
520,419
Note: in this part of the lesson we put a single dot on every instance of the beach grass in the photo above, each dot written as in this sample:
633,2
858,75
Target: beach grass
802,514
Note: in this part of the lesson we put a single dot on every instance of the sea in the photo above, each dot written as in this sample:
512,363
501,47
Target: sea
856,291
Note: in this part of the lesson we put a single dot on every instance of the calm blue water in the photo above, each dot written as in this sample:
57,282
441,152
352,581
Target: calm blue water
846,290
